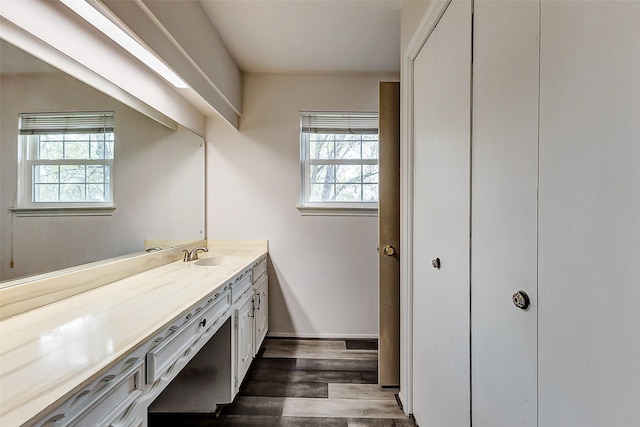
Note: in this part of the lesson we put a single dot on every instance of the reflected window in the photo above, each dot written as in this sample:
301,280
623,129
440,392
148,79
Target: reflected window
339,159
66,160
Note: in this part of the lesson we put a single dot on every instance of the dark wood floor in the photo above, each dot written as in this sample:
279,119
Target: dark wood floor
295,382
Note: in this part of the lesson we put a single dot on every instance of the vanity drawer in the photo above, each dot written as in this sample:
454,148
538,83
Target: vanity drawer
174,346
240,285
259,270
113,393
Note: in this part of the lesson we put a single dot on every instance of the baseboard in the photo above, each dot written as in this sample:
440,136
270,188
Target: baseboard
402,402
322,336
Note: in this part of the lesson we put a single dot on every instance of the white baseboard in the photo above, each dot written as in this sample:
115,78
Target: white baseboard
403,402
323,336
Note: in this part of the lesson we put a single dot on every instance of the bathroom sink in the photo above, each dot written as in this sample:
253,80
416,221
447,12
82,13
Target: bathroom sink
217,260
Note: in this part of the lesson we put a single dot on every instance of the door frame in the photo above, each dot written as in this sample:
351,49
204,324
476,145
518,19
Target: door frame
428,23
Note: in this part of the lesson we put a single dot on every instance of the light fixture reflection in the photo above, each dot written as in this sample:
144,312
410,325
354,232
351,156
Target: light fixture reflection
111,30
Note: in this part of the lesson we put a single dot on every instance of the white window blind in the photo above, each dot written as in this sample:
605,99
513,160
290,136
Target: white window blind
76,123
334,123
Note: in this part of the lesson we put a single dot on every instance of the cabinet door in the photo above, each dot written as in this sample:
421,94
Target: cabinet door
244,337
261,300
504,213
589,225
442,79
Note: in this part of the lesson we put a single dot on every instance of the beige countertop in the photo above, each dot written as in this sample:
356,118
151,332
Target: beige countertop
48,352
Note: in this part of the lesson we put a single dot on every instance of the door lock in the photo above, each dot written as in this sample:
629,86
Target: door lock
388,250
521,300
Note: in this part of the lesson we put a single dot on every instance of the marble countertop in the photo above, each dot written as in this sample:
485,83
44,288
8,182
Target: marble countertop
48,352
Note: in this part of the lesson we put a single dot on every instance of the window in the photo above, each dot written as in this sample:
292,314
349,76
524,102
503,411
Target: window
65,160
339,162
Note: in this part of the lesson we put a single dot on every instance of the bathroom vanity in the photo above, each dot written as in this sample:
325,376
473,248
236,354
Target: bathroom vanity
106,356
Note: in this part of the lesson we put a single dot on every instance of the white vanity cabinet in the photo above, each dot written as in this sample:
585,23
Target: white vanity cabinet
156,341
261,303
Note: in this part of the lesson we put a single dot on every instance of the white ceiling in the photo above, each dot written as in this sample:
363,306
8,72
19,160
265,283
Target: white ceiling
275,36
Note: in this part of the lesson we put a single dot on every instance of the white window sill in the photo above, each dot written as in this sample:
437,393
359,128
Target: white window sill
65,211
336,211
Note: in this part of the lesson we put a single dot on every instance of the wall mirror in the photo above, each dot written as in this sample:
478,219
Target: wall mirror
158,177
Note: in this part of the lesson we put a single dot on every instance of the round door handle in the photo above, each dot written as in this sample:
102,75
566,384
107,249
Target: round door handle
436,263
521,300
388,250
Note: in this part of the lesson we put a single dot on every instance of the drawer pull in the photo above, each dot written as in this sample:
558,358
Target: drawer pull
203,322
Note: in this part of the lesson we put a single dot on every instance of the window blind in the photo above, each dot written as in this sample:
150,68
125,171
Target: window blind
351,123
52,123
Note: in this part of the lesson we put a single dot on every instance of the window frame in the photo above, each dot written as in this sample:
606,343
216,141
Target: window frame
348,208
28,160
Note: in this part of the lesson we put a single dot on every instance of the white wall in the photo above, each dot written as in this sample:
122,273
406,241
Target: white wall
158,188
412,13
323,270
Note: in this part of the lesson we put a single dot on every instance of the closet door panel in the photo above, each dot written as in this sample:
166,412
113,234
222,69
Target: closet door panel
589,220
442,77
504,213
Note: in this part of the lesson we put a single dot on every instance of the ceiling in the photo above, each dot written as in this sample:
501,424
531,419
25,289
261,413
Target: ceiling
309,36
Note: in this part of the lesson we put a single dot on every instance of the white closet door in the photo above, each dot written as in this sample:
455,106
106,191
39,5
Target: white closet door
504,213
589,221
442,78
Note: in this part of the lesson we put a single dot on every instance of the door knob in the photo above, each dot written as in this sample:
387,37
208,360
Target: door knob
435,263
521,300
388,250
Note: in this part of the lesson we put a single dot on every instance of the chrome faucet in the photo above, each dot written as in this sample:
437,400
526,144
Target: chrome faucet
193,255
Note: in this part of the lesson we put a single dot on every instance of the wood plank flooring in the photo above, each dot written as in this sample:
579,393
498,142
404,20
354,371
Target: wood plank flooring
299,382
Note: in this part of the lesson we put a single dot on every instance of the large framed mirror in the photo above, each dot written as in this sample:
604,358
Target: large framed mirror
158,177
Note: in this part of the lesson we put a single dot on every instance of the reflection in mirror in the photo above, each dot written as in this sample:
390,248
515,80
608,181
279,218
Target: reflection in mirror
158,177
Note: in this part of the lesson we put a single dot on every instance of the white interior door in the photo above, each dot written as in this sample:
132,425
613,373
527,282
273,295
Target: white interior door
589,221
441,335
504,213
